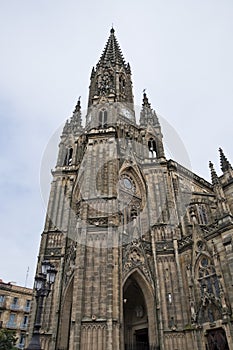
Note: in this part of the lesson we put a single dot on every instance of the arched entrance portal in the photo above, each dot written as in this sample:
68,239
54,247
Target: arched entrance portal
138,318
217,340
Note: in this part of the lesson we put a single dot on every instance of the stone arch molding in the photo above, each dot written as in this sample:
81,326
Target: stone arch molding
140,278
148,293
135,260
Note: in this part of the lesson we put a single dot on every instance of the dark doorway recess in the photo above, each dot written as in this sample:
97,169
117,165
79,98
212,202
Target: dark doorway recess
142,340
217,340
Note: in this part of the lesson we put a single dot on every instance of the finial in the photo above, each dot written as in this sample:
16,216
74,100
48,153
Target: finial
145,99
128,68
76,118
112,31
78,106
147,115
214,176
225,164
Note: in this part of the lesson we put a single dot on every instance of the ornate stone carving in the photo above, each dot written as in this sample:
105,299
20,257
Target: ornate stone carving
98,221
185,242
94,325
51,252
55,240
134,256
105,83
164,246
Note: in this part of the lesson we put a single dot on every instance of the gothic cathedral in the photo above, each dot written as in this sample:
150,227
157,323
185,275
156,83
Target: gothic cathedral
143,246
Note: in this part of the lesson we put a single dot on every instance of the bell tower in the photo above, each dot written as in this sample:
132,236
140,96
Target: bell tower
120,234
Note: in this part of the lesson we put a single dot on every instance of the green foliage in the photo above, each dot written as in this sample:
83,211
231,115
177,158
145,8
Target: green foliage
7,339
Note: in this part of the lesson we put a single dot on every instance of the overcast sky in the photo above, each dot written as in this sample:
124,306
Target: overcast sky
179,50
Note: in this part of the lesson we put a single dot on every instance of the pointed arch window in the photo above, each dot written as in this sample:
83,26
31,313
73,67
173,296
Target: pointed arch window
68,157
207,277
103,116
209,291
201,213
129,201
152,148
122,84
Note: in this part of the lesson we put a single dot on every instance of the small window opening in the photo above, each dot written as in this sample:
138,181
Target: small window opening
22,340
202,214
68,157
25,320
169,298
152,148
15,301
122,84
103,115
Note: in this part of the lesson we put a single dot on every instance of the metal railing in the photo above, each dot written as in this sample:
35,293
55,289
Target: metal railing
11,325
26,308
14,306
23,326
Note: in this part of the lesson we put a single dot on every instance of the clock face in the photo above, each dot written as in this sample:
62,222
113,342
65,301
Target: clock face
126,113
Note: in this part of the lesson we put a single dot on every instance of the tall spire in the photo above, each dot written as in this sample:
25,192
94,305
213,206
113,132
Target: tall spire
225,164
111,78
112,52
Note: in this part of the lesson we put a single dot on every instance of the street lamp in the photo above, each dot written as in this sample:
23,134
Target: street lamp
43,282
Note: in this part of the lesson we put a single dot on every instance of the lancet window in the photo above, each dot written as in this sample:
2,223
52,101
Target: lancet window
209,288
207,277
128,199
103,115
122,84
152,148
69,156
200,213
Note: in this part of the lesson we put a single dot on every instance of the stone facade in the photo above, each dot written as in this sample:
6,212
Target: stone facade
15,306
143,246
